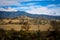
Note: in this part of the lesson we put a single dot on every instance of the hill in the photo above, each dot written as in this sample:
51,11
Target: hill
4,14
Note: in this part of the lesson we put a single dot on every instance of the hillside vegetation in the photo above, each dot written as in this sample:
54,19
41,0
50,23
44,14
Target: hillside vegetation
26,28
24,22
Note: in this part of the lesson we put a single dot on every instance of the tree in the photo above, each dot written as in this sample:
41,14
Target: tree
56,25
25,26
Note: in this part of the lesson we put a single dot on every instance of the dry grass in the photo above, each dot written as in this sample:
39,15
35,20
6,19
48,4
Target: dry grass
32,27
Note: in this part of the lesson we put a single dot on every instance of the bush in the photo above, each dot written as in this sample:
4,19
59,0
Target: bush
23,35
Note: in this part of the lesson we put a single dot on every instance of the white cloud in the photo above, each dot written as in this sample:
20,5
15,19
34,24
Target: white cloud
54,10
8,2
9,9
48,10
51,5
11,2
16,2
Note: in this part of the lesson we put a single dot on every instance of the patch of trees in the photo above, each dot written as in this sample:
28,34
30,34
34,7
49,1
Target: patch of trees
27,35
56,26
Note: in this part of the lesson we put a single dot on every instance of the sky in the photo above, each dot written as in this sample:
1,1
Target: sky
48,7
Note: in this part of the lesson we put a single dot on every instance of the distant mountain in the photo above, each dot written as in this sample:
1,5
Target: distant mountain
4,14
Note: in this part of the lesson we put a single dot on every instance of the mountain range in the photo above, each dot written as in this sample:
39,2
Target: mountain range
4,14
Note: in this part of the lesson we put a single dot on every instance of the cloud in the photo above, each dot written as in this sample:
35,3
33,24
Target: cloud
51,9
32,7
8,2
47,10
9,9
16,2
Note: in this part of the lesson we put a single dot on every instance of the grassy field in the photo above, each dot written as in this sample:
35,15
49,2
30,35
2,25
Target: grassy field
32,27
